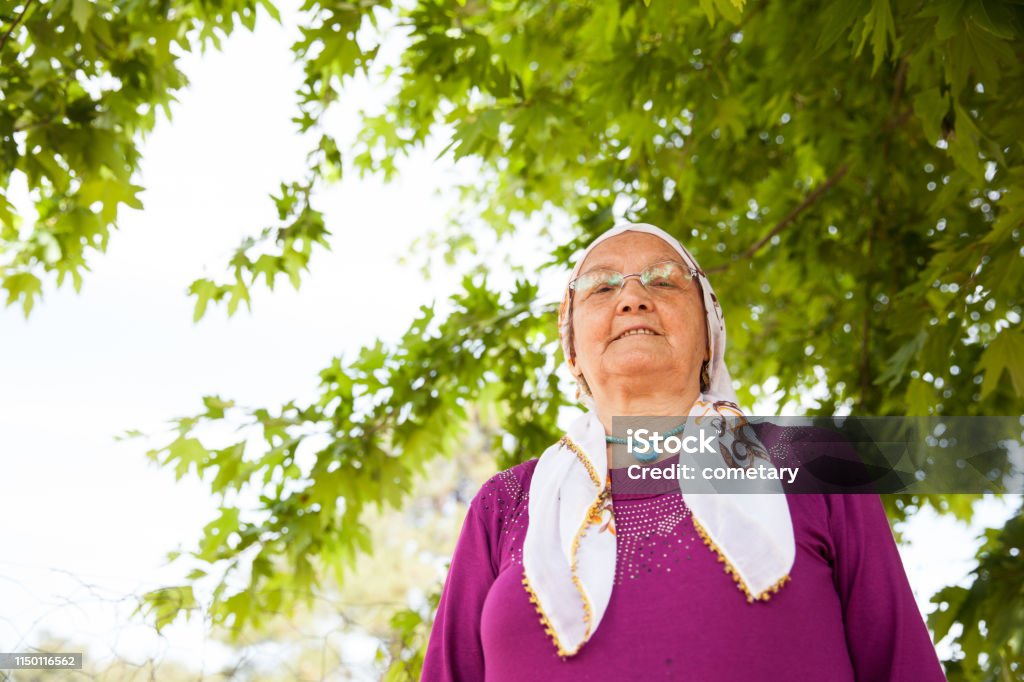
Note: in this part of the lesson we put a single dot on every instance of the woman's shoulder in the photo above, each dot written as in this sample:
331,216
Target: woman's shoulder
501,507
508,487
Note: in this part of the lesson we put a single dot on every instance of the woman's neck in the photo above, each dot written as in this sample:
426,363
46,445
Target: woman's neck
667,404
646,404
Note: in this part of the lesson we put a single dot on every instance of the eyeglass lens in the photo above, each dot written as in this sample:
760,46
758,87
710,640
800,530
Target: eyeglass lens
663,276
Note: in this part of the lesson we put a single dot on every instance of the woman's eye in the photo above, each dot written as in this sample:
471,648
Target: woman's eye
602,289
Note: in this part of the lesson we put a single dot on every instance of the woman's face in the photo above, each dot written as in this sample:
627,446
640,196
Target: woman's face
670,357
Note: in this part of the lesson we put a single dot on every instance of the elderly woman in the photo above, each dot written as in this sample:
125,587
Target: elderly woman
558,577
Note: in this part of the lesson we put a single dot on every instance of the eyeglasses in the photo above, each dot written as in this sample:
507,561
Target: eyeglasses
662,278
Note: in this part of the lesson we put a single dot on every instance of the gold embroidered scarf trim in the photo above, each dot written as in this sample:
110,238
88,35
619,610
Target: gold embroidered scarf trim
582,457
731,570
592,517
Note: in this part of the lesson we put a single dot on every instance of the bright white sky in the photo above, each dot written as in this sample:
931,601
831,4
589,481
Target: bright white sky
86,521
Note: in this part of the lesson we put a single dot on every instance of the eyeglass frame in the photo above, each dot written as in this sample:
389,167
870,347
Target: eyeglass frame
695,275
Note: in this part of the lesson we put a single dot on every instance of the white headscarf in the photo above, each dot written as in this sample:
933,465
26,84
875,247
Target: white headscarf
569,553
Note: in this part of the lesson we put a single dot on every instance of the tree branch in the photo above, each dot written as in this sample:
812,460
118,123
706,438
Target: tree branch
17,20
897,121
899,82
865,341
790,217
38,124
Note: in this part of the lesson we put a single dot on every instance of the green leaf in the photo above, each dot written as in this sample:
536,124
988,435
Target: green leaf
837,21
24,286
215,406
995,17
1004,353
167,603
187,454
879,26
204,290
81,12
930,108
897,365
964,145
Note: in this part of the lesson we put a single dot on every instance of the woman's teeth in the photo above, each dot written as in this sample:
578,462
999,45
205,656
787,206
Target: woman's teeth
634,332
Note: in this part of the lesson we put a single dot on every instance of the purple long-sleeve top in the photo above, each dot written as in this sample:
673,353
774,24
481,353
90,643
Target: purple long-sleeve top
847,613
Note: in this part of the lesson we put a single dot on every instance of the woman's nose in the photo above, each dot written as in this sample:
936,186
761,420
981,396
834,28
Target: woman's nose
634,296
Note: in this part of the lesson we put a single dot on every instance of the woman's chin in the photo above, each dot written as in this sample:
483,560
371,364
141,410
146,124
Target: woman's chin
639,362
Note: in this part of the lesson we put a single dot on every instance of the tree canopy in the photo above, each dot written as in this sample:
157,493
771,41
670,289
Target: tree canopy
850,173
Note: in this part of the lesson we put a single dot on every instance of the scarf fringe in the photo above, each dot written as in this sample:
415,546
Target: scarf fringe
567,443
765,595
592,517
545,622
